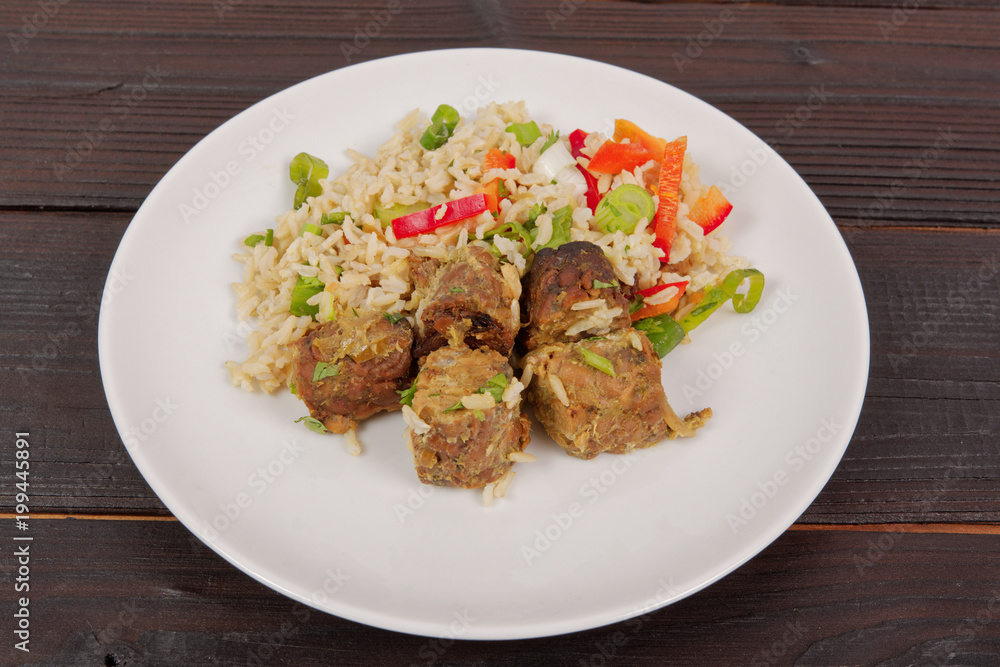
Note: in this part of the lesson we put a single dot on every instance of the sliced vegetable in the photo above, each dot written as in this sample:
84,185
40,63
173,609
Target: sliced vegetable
623,207
269,239
665,227
497,159
312,424
658,308
614,158
311,228
525,133
577,140
595,360
253,240
626,129
663,332
421,222
333,218
443,123
324,370
386,214
600,284
305,171
492,193
512,231
305,289
562,221
711,210
716,296
560,166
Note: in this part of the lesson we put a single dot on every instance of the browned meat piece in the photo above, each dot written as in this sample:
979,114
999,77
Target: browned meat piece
365,358
574,273
587,411
470,299
459,436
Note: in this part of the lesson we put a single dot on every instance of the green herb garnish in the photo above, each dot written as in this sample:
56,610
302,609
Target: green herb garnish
525,133
443,123
253,240
312,424
595,360
553,138
306,287
333,218
324,370
306,171
393,317
406,395
600,284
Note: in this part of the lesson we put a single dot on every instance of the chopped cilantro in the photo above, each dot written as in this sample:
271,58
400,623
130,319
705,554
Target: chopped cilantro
406,395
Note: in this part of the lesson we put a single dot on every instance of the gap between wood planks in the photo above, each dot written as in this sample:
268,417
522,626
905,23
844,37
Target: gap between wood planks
957,528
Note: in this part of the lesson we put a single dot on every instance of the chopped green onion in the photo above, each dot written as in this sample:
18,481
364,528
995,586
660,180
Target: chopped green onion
525,133
457,406
663,332
719,295
479,414
623,207
305,289
386,214
393,317
406,395
324,370
269,239
305,171
495,387
292,388
534,212
311,228
600,284
595,360
553,138
502,190
456,290
443,123
333,218
253,240
312,424
562,221
637,303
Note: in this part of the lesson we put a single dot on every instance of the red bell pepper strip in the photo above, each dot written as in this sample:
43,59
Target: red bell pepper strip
576,142
614,158
626,129
665,220
492,193
660,308
711,210
426,220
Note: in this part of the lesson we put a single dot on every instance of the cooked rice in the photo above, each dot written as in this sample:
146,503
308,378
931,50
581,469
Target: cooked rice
364,266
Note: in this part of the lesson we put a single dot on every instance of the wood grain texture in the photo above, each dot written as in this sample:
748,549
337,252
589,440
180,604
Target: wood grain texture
150,594
858,110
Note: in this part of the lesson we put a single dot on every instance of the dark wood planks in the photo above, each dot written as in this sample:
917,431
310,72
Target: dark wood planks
888,126
147,593
930,418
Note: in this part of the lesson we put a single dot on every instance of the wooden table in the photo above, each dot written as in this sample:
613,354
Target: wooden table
889,111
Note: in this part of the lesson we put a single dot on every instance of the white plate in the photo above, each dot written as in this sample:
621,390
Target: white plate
576,544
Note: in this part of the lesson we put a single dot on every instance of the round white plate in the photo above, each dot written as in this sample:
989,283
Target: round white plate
575,544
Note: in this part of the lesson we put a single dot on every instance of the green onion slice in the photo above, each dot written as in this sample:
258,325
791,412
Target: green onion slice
595,360
333,218
269,239
525,133
663,332
600,284
443,123
312,424
253,240
562,221
716,296
311,228
623,207
306,171
386,214
305,288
